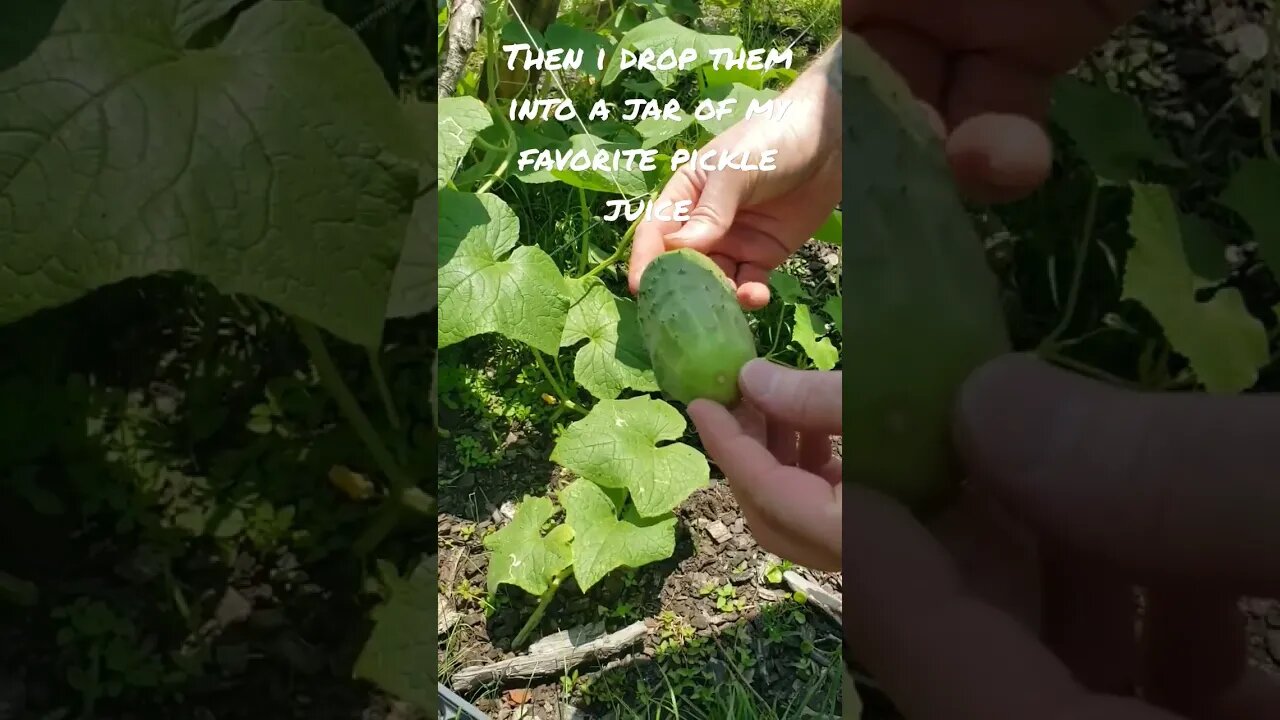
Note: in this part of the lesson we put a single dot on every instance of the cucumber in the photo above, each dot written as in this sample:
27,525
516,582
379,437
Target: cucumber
696,334
922,307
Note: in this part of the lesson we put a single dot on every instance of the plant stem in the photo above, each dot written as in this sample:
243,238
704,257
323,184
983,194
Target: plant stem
1049,355
555,386
543,602
400,481
509,153
1077,273
384,390
585,255
555,360
623,245
777,330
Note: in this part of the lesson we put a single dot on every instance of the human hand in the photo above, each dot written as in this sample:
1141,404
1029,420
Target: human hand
749,222
985,68
775,451
1175,493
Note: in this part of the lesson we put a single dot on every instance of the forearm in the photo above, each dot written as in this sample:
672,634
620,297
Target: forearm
819,91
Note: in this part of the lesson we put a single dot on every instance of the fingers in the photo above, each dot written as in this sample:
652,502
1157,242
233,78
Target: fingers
1088,619
1167,487
753,286
995,106
999,158
650,236
712,215
806,400
940,652
918,59
1194,643
814,452
793,513
1255,695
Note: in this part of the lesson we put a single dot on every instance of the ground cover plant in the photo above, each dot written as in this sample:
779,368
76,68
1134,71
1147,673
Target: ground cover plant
573,490
217,338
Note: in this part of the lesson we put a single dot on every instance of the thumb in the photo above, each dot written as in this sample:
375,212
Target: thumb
714,212
802,399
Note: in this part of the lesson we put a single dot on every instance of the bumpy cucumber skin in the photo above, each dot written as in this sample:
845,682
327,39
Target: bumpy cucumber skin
693,327
922,308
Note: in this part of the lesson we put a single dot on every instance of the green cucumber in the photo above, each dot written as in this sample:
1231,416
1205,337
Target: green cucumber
695,331
922,307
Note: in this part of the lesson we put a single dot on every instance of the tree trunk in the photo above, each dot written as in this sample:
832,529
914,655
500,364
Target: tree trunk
466,17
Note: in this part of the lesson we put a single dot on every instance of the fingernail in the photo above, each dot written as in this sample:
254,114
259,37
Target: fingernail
758,379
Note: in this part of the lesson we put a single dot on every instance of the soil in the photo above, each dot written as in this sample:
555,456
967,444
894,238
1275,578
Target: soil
713,547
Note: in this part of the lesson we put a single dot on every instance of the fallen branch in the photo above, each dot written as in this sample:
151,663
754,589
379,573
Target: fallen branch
554,654
824,598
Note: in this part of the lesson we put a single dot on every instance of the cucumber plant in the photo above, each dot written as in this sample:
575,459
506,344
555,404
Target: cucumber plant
255,147
564,300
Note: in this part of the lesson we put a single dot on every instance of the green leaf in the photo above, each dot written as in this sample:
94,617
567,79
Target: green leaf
728,76
569,37
742,98
616,446
832,231
484,289
629,182
1253,193
602,542
823,354
517,31
190,17
656,131
1224,344
461,119
413,290
1109,129
522,555
787,287
424,120
400,655
275,164
672,7
529,139
834,310
1205,251
665,34
614,357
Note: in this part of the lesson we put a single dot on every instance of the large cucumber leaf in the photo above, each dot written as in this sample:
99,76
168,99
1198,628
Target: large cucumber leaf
1109,129
488,284
522,555
414,289
1225,345
461,120
1252,193
616,446
614,357
400,656
603,542
664,34
275,163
